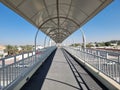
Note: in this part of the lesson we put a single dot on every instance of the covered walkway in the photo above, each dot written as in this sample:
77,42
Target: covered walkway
62,72
58,19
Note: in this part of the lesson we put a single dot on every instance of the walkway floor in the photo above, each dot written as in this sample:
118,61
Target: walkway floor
57,73
60,76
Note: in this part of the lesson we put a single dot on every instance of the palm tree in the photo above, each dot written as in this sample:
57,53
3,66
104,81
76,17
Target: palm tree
27,48
9,49
23,48
15,50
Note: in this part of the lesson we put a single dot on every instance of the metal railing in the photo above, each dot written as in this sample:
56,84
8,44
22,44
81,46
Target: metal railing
101,60
15,66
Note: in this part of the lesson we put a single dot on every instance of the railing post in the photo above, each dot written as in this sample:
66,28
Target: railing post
32,53
106,55
3,63
22,56
28,55
118,58
14,59
23,59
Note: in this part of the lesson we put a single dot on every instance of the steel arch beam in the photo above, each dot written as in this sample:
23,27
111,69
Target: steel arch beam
56,18
66,30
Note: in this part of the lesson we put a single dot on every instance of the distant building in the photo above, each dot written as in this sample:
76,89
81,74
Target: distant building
38,47
93,44
113,44
19,48
2,48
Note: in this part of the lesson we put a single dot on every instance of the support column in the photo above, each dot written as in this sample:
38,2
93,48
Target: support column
84,39
45,41
49,42
36,42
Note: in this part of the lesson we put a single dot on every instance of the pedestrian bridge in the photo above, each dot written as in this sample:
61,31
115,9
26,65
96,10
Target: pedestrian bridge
64,67
59,68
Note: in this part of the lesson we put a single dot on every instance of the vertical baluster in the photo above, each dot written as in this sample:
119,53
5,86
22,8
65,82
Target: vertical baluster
6,76
12,72
3,67
23,59
15,69
99,64
119,72
116,71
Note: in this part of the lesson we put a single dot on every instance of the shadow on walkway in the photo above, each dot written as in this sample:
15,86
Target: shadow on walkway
36,81
63,83
85,79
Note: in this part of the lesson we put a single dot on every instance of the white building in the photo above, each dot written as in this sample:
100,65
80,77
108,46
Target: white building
114,44
19,48
38,47
2,48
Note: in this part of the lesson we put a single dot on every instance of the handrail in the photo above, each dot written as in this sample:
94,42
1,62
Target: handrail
9,73
100,60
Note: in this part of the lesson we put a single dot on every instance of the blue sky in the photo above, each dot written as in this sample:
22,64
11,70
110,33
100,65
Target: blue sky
103,27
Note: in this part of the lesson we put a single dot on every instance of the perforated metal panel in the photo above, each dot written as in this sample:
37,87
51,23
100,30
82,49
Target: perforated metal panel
57,18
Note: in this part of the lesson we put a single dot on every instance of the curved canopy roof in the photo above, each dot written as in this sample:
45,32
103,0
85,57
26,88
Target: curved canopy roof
57,18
